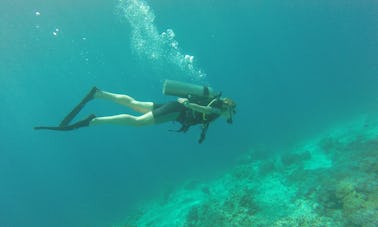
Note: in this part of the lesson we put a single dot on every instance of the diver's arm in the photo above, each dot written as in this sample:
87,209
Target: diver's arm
201,109
198,108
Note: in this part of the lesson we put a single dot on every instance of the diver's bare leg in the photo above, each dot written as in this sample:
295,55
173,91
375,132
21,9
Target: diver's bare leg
141,107
125,120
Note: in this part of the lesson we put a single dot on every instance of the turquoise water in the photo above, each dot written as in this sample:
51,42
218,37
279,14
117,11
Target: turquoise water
294,68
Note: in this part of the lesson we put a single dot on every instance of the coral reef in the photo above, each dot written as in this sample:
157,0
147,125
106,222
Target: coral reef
328,181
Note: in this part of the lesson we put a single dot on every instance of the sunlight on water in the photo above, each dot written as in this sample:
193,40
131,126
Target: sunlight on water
161,49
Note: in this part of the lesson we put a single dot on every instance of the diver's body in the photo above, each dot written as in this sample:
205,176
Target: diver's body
182,110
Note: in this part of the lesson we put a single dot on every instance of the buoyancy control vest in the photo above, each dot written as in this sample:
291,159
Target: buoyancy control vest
189,117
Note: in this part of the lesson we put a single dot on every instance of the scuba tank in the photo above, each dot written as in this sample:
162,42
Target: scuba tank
187,90
198,94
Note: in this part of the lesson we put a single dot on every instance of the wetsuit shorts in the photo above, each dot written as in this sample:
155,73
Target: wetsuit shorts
167,112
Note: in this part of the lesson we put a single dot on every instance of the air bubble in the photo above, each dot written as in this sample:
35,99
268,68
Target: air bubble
56,32
170,33
189,59
174,44
148,42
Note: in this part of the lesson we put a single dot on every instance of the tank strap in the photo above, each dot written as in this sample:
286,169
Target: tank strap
208,105
206,91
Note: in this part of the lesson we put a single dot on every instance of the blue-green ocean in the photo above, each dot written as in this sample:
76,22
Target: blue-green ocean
294,68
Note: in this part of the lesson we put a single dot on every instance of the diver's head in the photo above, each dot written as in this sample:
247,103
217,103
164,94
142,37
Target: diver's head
228,106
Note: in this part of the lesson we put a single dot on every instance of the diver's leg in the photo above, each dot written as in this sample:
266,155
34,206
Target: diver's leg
141,107
125,120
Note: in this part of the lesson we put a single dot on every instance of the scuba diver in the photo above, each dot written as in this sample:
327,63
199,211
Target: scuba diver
195,105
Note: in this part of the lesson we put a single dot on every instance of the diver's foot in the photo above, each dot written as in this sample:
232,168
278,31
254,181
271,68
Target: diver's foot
66,121
98,93
84,123
79,124
90,95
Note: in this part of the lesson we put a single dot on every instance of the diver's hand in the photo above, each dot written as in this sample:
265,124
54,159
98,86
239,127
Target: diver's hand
182,100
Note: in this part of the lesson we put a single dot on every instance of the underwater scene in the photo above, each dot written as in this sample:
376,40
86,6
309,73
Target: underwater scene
188,113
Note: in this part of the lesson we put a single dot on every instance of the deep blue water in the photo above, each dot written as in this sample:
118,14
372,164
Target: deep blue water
293,67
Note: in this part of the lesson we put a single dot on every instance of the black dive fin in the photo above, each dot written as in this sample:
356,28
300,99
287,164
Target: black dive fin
77,108
79,124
